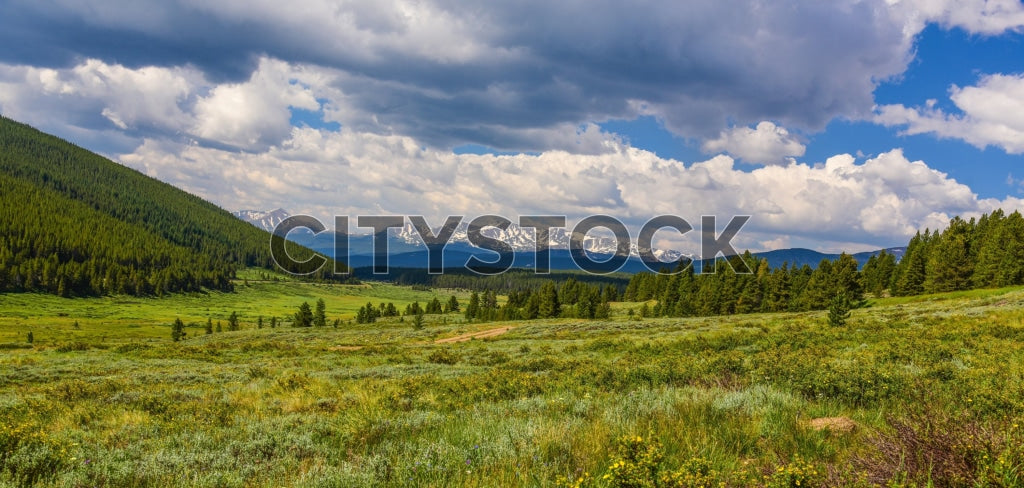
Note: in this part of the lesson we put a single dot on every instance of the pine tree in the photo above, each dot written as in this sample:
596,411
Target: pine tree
434,306
473,309
549,305
259,322
30,337
273,322
304,316
877,273
219,328
178,330
838,310
948,264
417,321
453,304
233,322
209,326
320,317
909,276
531,309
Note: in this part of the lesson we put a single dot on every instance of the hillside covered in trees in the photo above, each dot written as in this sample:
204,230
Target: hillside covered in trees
979,253
75,223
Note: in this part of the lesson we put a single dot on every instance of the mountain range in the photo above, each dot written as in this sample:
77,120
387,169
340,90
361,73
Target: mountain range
406,249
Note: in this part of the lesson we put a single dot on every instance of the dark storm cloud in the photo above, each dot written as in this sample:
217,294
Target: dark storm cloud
479,71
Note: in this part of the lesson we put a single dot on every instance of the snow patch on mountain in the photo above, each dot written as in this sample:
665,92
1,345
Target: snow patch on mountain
264,219
523,240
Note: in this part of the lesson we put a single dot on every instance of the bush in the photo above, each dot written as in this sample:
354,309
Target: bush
638,464
443,356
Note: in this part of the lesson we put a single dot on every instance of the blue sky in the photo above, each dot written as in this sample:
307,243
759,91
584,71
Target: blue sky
842,125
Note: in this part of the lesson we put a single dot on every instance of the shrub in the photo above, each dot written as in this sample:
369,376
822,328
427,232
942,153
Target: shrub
638,464
443,356
796,474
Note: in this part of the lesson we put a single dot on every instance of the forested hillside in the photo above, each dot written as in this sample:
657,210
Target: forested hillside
979,253
982,253
75,223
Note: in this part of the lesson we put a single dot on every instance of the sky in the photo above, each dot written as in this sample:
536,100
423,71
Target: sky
841,125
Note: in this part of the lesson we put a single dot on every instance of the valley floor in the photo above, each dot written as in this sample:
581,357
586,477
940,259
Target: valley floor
910,390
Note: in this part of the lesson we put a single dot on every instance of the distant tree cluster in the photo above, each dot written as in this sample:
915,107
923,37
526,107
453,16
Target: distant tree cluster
572,299
511,280
725,291
987,252
368,314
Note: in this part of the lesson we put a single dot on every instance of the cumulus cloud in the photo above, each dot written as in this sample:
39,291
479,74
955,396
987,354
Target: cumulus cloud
765,144
988,17
256,113
94,95
200,94
842,203
992,114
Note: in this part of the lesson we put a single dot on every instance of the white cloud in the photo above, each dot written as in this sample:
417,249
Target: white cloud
987,17
765,144
992,114
256,113
842,203
149,97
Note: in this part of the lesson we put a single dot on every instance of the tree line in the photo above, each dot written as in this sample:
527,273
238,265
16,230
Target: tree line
975,253
721,290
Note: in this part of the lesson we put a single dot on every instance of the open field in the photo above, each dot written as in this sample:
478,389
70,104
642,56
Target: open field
912,389
120,318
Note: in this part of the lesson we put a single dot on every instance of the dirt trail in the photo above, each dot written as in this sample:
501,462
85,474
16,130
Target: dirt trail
475,335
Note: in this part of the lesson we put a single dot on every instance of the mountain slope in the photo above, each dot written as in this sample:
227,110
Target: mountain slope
73,222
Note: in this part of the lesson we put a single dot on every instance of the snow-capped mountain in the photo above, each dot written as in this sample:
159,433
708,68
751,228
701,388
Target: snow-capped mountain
264,219
522,240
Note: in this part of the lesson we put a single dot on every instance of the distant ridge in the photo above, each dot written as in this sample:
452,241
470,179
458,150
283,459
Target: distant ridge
799,256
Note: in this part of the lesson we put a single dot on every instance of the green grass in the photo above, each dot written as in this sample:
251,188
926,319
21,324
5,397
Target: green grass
117,403
120,318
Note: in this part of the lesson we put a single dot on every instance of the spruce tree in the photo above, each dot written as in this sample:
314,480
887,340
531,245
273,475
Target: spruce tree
473,309
948,264
838,310
304,316
320,317
209,326
233,321
549,305
178,330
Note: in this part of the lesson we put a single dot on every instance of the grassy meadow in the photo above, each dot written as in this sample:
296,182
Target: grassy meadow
921,391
